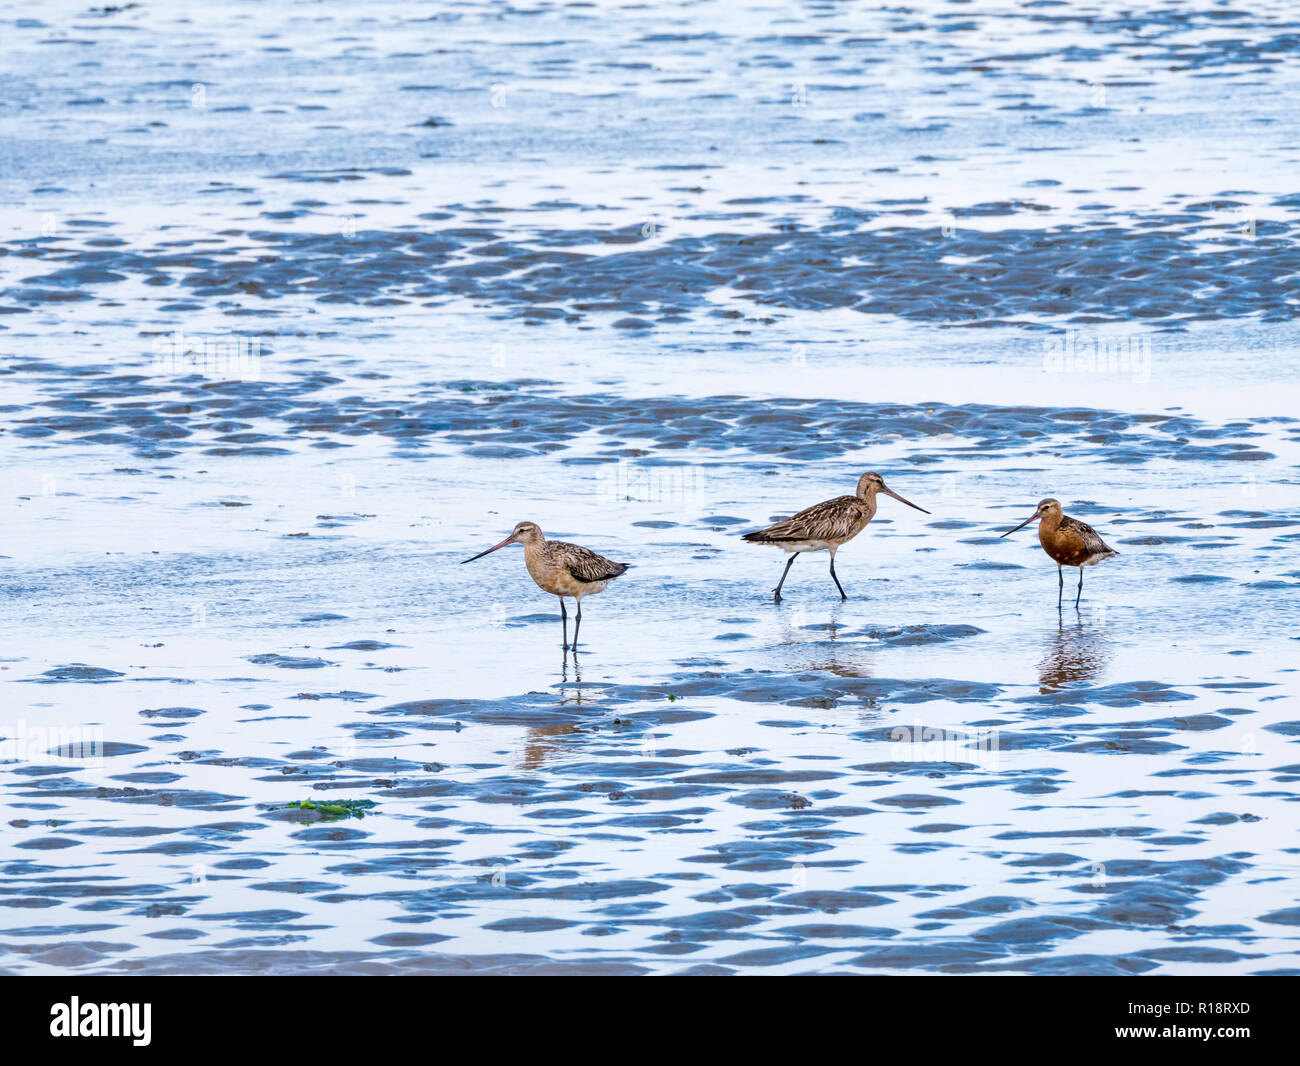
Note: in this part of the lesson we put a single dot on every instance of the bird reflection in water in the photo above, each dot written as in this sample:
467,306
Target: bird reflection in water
1076,652
799,625
816,646
577,672
540,741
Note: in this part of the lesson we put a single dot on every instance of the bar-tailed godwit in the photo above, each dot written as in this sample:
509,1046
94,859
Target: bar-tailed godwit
561,569
826,526
1068,541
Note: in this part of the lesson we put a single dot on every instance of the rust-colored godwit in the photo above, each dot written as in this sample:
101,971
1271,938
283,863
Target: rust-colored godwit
1068,541
826,526
561,569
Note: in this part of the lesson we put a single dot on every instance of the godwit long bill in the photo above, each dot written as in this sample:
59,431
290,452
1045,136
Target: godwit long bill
827,526
1068,541
561,569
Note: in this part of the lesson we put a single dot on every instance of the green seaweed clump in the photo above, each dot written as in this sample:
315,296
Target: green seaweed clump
331,810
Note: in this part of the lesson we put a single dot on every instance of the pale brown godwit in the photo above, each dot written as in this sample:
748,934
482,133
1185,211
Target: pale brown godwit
827,526
561,569
1068,541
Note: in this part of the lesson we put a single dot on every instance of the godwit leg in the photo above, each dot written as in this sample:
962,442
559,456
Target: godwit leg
564,624
1060,585
836,579
1080,592
576,626
776,596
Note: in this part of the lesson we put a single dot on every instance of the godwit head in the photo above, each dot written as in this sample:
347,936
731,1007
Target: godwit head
1049,509
525,533
871,483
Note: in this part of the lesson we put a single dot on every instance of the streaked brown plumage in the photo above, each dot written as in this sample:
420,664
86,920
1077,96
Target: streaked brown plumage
826,526
562,569
1067,541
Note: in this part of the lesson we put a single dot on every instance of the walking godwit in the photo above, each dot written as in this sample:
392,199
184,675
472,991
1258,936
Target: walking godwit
561,569
826,526
1068,541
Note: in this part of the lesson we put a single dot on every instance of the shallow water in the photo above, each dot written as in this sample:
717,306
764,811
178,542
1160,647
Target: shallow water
649,278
